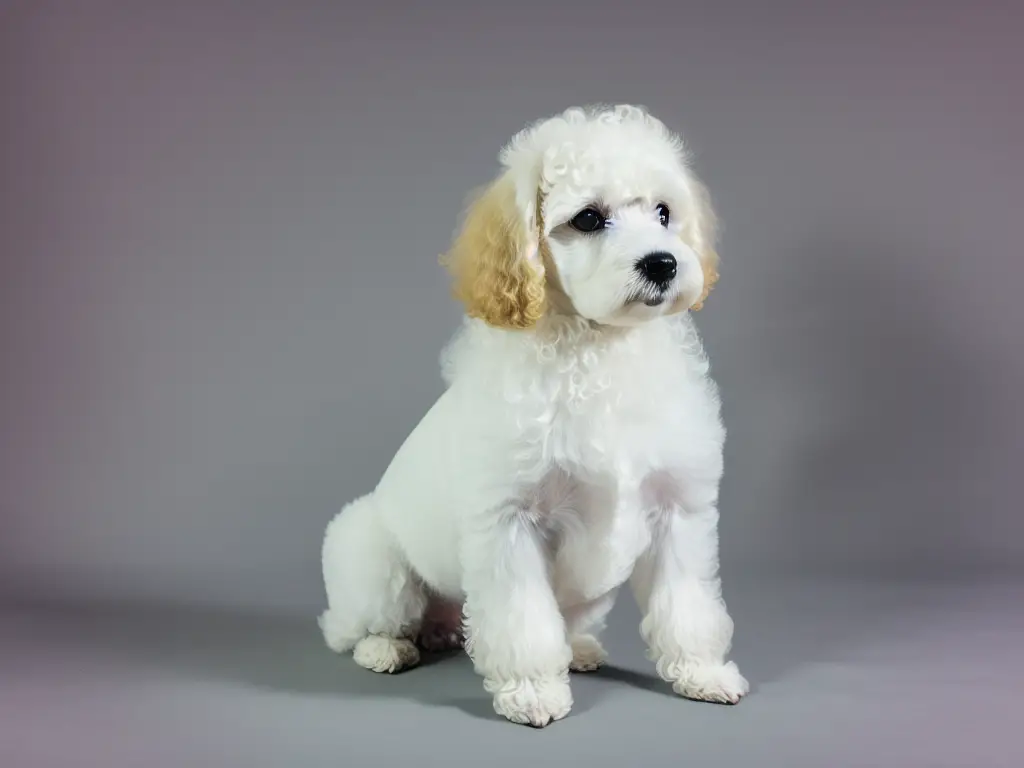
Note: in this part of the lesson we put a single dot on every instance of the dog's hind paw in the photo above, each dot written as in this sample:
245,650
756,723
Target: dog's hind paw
385,654
587,654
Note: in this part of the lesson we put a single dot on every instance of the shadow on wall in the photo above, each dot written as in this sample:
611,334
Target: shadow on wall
901,416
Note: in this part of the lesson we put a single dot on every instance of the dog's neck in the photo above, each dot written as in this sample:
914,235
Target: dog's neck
555,326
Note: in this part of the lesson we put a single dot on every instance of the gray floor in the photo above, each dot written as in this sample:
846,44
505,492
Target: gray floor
843,674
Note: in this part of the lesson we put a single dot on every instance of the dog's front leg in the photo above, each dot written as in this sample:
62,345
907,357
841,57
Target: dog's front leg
686,625
516,635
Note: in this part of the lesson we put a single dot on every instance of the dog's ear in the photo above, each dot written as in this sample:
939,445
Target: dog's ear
494,260
701,234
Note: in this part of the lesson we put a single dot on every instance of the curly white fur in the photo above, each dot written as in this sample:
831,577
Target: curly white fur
569,454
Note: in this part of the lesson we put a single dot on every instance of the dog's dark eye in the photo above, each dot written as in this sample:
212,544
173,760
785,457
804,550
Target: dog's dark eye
663,214
587,220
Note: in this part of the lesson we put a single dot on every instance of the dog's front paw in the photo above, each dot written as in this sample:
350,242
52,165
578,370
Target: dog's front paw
718,683
532,701
587,654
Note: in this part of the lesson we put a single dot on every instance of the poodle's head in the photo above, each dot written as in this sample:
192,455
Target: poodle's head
597,214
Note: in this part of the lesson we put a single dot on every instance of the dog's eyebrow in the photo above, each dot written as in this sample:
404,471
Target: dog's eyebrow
597,204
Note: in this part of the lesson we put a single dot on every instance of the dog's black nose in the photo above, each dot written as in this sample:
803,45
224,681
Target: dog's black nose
659,267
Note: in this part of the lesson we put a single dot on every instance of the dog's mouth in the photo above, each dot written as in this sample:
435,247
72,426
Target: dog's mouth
649,296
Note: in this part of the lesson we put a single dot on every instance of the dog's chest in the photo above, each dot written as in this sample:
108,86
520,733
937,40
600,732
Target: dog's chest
597,413
595,532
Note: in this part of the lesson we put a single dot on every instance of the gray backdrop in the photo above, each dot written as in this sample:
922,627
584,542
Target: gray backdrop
220,305
221,311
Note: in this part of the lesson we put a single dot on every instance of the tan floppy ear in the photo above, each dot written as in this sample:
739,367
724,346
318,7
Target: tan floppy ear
493,261
701,234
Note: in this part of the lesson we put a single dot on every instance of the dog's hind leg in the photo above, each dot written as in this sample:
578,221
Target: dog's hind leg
442,628
584,623
374,601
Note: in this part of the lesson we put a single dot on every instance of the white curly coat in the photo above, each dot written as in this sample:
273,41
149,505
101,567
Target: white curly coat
569,454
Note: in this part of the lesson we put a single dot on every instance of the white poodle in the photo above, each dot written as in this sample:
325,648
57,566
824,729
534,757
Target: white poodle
578,445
